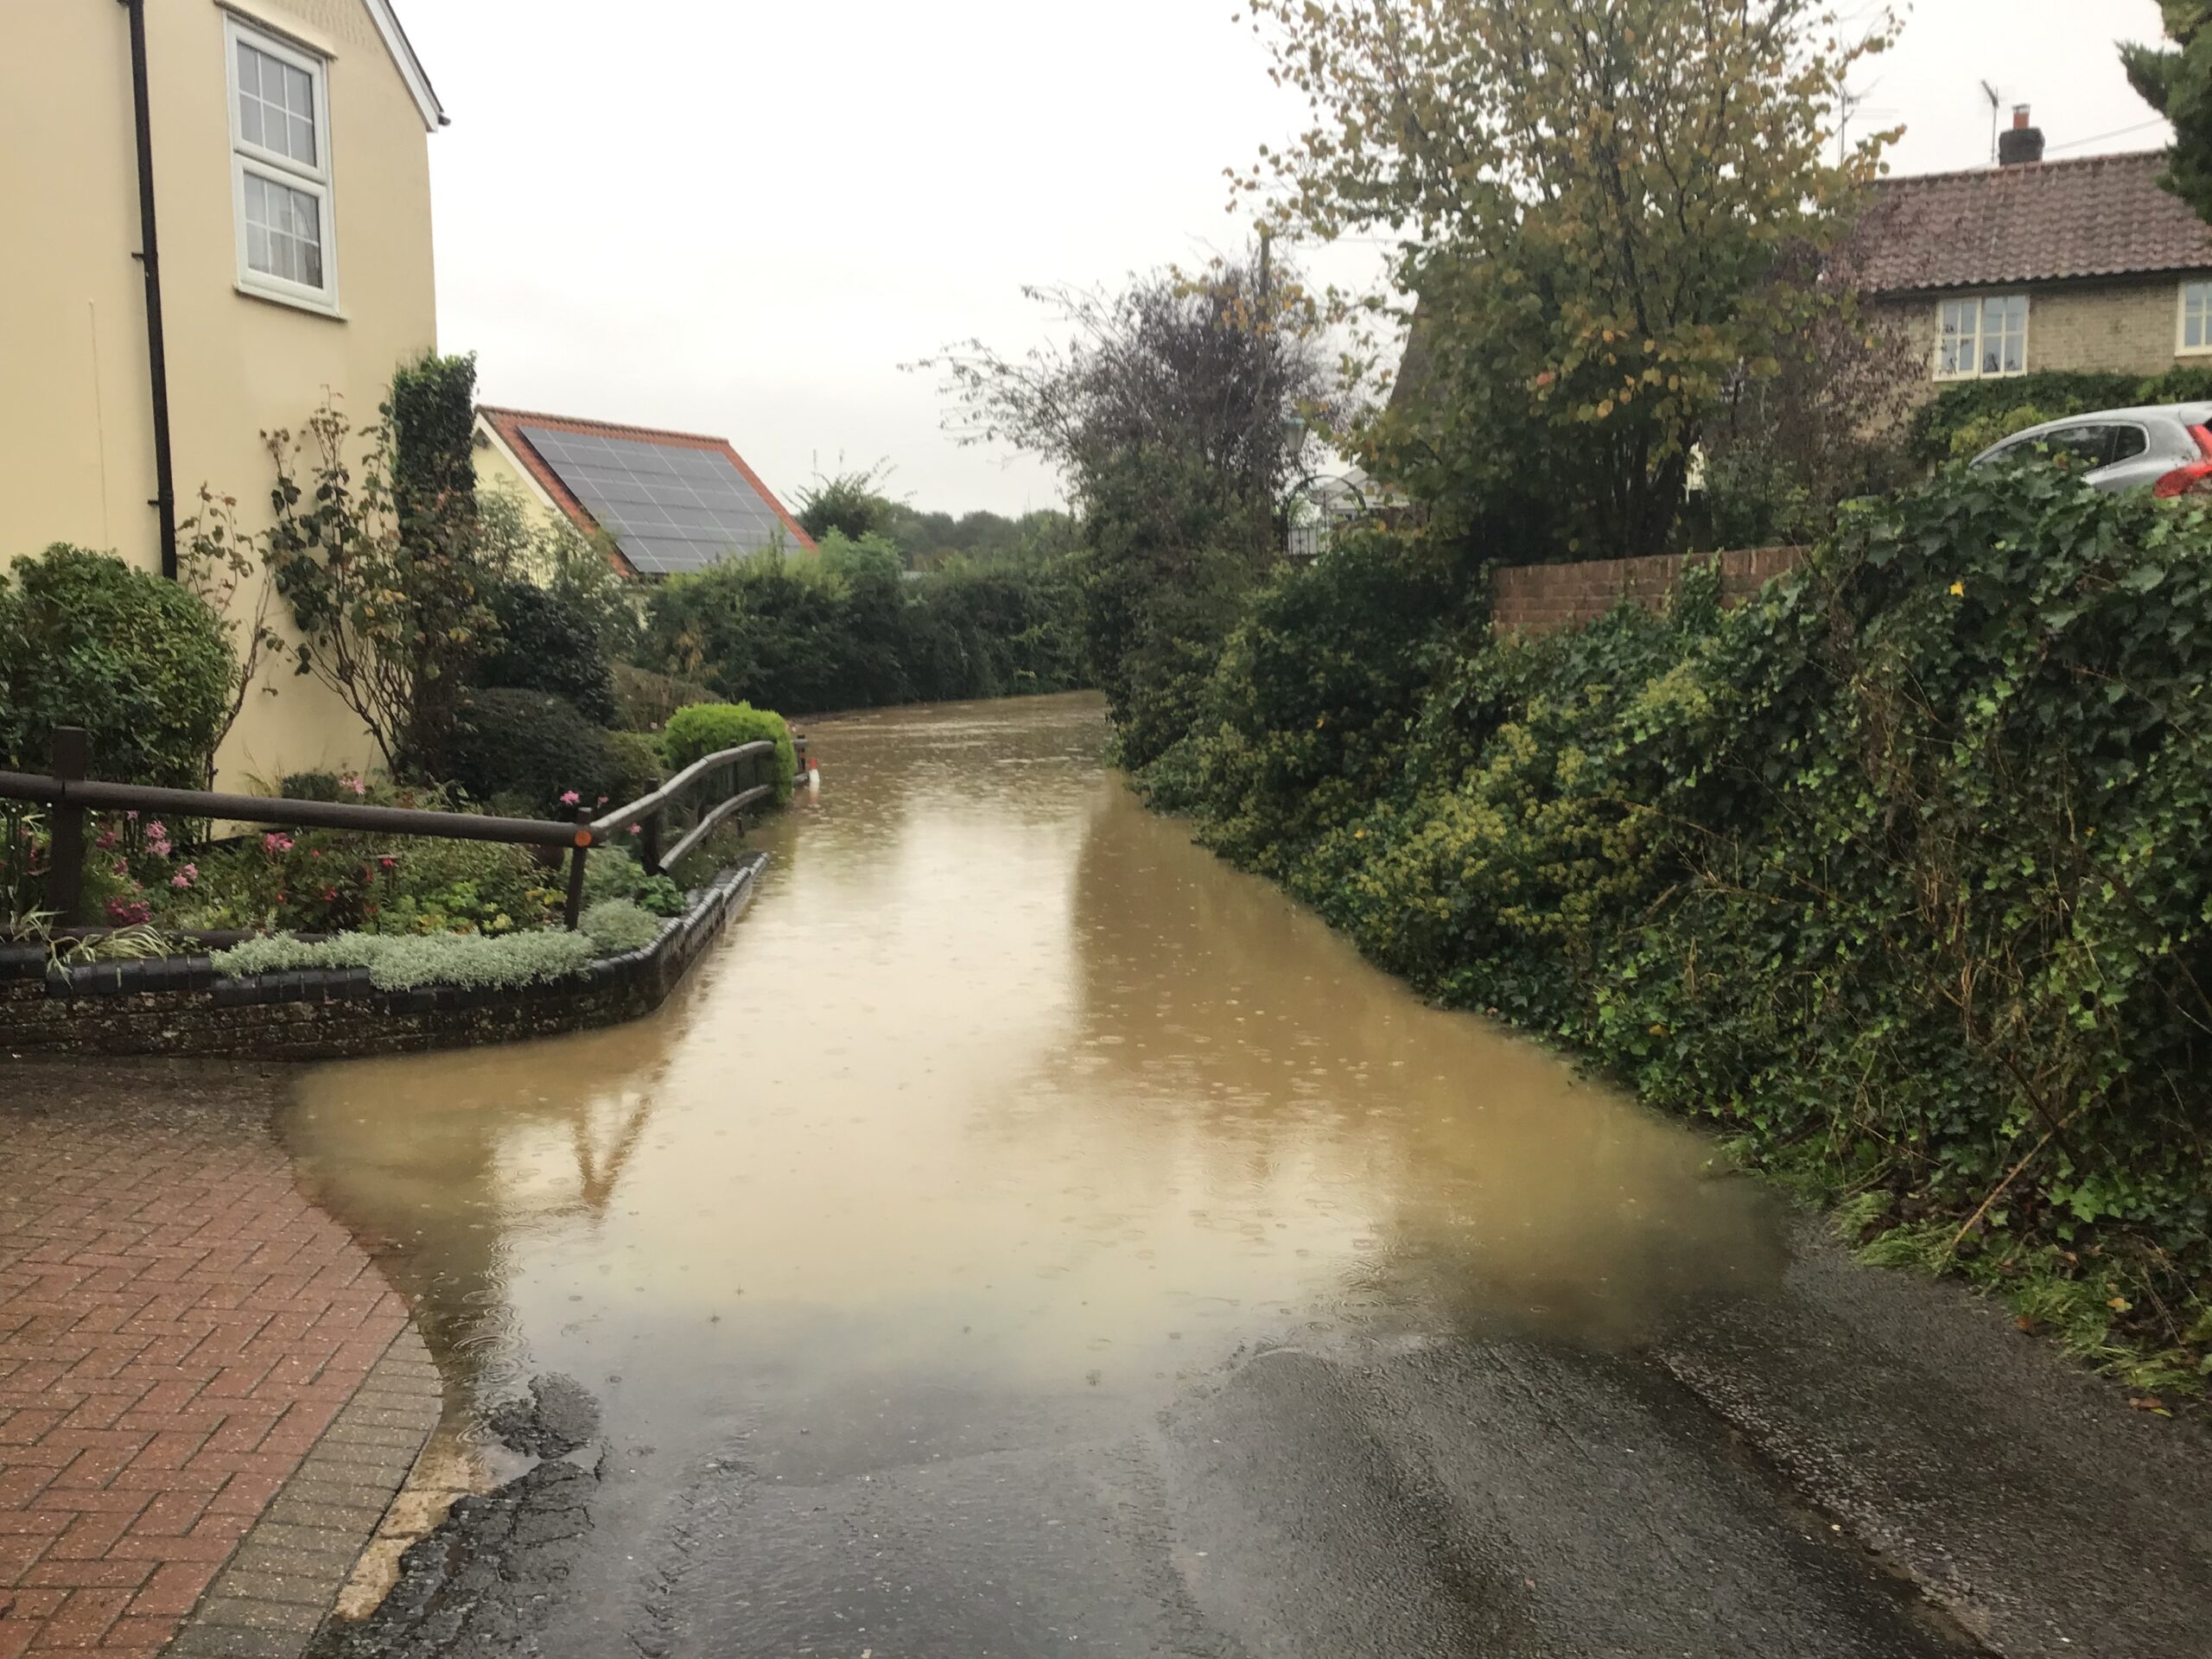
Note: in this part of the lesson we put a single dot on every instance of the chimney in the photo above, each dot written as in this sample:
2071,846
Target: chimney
2023,146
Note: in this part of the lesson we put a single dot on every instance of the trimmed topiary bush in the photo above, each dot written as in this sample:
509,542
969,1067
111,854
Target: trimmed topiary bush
138,662
709,727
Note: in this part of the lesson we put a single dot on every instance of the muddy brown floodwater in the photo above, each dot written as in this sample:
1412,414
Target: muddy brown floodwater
1004,1103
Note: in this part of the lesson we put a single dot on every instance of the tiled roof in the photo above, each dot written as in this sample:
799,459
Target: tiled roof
2045,221
509,424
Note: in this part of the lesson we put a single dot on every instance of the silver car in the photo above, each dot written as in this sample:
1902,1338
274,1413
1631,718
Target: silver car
2167,449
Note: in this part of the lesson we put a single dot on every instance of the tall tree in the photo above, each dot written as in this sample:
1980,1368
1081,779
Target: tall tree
2176,81
1170,411
1596,202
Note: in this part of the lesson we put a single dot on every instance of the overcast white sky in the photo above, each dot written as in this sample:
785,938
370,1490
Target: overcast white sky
743,218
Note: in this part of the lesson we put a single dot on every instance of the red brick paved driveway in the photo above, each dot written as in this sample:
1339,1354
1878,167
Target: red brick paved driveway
177,1328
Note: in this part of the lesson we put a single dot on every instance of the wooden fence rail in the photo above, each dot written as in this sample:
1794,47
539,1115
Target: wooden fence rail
68,795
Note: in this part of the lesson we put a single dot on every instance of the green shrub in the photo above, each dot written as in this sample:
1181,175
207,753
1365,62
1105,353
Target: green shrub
1302,717
647,699
464,887
138,662
532,745
472,962
546,642
310,786
1941,428
709,727
638,766
616,926
613,874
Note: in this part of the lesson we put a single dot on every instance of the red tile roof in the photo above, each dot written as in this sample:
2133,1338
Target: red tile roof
509,422
2045,221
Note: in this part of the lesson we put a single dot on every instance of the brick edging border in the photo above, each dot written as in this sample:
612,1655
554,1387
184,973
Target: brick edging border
280,1586
180,1007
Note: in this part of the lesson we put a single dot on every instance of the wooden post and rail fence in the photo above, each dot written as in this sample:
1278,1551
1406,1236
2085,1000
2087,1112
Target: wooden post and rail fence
690,805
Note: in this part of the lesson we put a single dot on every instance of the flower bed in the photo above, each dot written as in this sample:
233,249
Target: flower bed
305,1001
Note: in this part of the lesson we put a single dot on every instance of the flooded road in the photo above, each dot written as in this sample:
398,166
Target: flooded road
1026,1235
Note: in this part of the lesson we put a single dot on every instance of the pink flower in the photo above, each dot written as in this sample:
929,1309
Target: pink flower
354,782
158,830
133,912
637,829
159,844
387,863
107,839
571,799
122,866
275,842
185,877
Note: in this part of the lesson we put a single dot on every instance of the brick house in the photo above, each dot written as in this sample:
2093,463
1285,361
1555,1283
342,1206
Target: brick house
2034,264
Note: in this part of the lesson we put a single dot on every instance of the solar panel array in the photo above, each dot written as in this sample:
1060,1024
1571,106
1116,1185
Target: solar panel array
670,507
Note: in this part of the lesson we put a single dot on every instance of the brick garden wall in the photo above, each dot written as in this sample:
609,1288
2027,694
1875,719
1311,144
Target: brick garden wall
1545,598
181,1007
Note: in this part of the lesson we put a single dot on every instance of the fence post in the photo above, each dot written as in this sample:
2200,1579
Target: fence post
649,841
65,876
575,906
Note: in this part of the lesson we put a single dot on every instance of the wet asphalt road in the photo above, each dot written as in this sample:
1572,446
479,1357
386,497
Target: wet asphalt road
1449,1501
1103,1259
1857,1464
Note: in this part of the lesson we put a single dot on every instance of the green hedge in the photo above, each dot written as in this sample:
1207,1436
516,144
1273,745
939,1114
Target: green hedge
707,728
851,628
138,662
1990,409
1896,871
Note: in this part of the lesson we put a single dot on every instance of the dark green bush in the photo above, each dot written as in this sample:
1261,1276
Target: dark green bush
534,746
546,643
138,662
1976,407
1305,713
707,728
638,766
646,700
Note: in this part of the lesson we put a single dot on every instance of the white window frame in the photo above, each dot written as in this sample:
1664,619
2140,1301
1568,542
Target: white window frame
2181,347
250,159
1982,302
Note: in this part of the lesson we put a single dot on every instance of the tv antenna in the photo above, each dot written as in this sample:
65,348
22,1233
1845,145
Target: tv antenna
1996,113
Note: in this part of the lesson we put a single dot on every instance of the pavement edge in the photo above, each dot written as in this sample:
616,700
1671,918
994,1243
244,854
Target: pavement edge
282,1583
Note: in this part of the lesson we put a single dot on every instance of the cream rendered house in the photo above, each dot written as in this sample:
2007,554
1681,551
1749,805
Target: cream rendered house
291,198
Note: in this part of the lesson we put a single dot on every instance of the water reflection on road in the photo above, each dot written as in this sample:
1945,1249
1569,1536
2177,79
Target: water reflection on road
1003,1090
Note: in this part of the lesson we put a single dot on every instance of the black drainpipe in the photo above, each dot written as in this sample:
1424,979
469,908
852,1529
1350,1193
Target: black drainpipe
164,501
